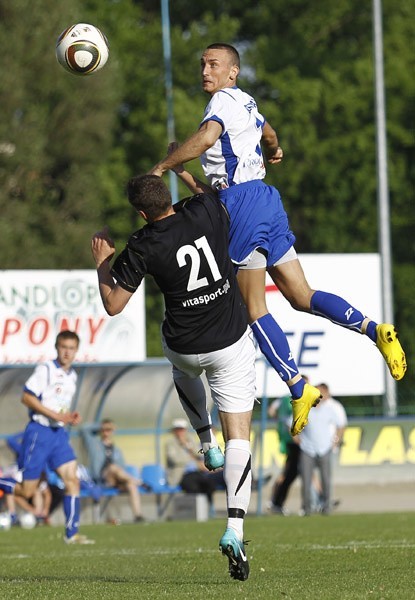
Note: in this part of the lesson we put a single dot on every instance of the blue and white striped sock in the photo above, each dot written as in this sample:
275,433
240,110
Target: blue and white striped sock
72,509
274,346
337,310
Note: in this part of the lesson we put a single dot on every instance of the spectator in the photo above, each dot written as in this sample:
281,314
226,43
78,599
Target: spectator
337,438
107,465
317,441
47,496
185,465
289,446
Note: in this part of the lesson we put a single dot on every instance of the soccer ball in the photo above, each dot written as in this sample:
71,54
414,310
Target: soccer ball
82,49
5,522
27,520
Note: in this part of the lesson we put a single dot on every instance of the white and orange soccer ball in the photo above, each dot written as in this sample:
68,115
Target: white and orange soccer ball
82,49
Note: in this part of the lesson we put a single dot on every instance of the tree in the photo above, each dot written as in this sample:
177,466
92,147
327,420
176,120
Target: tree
55,132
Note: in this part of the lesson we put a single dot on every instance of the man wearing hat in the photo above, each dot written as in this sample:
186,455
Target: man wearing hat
185,466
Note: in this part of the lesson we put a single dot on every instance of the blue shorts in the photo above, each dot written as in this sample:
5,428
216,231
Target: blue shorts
258,220
43,446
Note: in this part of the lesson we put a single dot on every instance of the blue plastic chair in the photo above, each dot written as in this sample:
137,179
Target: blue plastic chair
154,481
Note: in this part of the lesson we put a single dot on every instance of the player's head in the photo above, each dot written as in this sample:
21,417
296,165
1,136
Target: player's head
67,344
179,428
107,428
324,389
220,65
149,195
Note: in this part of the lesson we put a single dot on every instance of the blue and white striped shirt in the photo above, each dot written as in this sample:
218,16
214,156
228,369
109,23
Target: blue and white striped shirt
236,157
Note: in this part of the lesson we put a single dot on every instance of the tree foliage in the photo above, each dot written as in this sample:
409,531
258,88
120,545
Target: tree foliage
68,144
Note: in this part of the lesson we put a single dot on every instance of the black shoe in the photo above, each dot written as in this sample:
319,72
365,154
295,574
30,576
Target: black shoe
277,510
139,519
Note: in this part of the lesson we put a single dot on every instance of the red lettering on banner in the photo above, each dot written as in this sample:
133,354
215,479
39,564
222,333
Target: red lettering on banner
38,331
65,326
271,287
94,328
11,327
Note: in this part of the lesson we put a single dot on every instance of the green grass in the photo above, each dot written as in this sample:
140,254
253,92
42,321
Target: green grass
338,557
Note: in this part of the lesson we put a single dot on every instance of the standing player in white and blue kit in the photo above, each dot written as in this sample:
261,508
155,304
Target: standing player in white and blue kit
48,394
229,143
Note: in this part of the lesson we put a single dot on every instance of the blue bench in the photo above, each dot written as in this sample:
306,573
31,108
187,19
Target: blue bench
154,481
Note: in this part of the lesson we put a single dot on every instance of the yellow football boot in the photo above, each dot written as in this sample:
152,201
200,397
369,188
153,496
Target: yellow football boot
302,406
391,349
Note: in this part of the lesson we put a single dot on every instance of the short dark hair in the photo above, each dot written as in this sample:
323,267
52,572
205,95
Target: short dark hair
67,335
149,194
232,52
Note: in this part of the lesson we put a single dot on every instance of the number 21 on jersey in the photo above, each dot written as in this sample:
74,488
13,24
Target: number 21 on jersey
201,245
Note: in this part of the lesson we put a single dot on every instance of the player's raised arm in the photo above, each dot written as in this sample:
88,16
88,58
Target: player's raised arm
114,297
272,150
195,185
192,148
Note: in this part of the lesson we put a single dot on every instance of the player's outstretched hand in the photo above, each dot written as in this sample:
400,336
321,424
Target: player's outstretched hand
102,246
276,157
76,417
156,170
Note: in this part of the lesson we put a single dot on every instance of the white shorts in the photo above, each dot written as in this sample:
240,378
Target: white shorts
257,260
230,372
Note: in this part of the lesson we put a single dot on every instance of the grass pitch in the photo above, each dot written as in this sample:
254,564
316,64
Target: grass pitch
339,557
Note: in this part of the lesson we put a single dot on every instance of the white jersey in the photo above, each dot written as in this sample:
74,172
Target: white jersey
236,157
54,388
316,439
339,408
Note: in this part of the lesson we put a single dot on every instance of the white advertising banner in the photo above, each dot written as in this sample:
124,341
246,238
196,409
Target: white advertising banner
35,305
348,362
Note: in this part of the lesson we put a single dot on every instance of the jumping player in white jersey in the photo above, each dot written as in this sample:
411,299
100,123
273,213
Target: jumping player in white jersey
48,394
185,249
229,142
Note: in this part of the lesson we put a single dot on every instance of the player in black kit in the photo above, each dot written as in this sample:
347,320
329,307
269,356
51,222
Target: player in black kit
185,248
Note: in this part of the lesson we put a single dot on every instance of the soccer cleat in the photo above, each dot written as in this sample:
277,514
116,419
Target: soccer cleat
391,349
214,459
78,539
302,406
232,547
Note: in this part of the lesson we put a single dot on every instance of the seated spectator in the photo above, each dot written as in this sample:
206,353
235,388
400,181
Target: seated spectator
185,465
46,497
107,465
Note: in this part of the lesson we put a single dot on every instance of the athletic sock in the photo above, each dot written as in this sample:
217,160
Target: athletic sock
72,509
7,484
371,331
274,346
238,479
338,311
297,388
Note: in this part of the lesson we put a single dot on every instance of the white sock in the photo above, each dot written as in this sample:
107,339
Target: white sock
238,479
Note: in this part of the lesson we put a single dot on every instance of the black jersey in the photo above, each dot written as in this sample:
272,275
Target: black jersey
187,254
